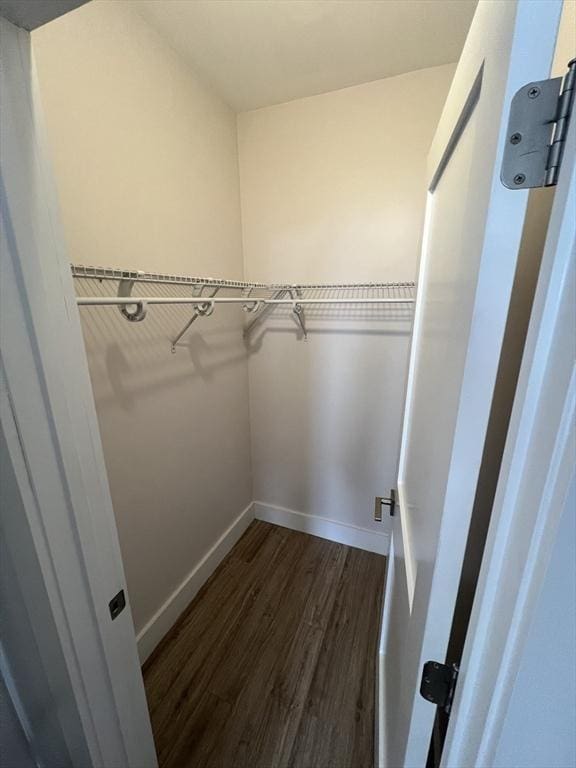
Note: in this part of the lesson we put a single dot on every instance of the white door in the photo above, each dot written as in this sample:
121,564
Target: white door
472,234
60,536
522,637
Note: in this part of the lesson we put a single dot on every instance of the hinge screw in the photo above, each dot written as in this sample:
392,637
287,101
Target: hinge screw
534,92
519,178
516,138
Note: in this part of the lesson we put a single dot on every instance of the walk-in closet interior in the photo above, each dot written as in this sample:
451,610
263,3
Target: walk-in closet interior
242,188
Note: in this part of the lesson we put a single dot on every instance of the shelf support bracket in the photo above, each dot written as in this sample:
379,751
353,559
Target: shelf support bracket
132,312
262,311
202,310
298,311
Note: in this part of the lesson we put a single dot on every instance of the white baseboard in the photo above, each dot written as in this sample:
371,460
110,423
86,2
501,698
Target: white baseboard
155,629
343,533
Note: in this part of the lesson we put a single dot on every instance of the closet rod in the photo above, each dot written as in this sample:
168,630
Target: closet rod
357,300
97,301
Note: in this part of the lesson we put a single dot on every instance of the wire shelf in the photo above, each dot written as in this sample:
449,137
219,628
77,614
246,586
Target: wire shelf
401,289
257,299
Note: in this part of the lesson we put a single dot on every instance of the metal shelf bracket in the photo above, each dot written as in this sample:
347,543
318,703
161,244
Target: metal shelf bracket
260,311
298,311
202,310
133,312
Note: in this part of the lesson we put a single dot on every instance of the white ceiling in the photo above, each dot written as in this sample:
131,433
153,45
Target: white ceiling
261,52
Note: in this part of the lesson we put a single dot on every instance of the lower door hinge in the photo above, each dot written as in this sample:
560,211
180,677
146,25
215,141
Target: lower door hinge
384,501
539,117
439,683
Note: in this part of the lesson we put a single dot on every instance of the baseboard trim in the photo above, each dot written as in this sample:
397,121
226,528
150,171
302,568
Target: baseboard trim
155,629
343,533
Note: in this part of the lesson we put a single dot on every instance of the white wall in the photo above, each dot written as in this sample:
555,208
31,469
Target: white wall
146,163
333,189
145,160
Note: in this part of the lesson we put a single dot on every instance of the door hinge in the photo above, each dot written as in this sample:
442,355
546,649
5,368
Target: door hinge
384,501
439,683
537,128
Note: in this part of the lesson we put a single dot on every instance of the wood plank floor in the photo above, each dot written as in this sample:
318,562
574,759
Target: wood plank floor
273,665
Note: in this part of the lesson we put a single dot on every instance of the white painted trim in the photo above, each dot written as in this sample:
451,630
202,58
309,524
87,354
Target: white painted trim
62,475
416,335
343,533
537,469
407,548
165,617
410,565
388,592
380,719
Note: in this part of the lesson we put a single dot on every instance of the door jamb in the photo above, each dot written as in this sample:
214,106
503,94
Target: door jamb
46,387
536,472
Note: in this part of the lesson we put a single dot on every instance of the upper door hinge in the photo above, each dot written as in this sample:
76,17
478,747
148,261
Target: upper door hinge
537,128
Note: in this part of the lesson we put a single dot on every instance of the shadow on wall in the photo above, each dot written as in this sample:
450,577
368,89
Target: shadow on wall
343,320
257,338
175,431
135,360
352,432
200,354
326,414
131,361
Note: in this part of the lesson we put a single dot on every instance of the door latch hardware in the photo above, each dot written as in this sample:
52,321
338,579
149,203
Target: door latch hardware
439,683
117,604
384,501
537,128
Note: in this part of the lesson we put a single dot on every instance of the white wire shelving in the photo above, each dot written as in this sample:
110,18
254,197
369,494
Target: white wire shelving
257,299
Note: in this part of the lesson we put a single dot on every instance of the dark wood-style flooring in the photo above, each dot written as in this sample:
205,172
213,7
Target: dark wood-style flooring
273,664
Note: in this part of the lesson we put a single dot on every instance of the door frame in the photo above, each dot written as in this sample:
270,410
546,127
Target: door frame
535,476
53,436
